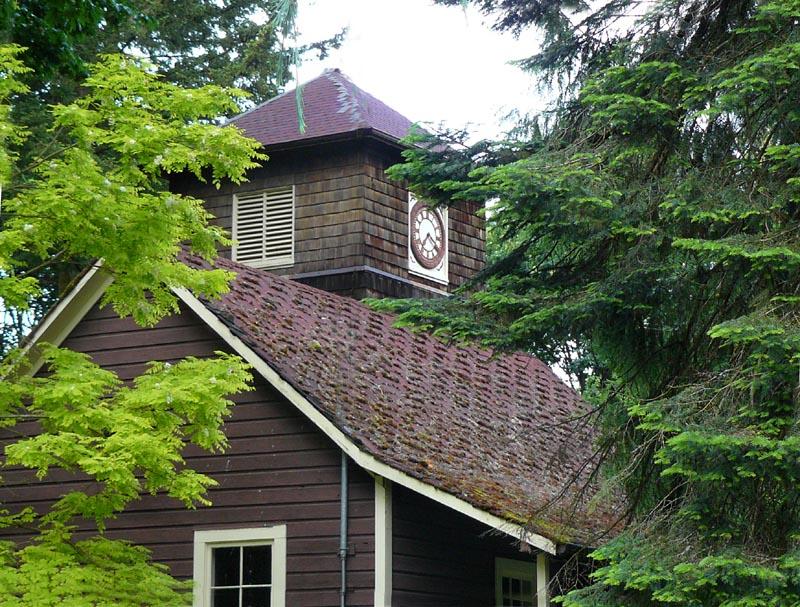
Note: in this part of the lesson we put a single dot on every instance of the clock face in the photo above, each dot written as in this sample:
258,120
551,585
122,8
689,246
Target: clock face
427,236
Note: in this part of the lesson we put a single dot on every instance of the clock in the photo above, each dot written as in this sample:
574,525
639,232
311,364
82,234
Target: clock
428,237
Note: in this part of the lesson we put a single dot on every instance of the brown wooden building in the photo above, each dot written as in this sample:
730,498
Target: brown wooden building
371,465
333,218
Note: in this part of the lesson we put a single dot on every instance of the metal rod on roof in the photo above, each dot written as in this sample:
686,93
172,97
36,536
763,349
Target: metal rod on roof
343,531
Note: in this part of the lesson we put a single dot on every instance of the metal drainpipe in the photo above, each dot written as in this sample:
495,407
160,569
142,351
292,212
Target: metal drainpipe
343,531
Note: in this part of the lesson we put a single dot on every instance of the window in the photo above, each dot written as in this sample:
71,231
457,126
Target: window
263,228
515,583
240,567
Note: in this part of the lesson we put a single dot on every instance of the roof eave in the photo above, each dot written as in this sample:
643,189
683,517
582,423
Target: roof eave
90,288
354,135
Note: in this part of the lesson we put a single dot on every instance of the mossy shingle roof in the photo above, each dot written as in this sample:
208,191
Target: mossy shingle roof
500,431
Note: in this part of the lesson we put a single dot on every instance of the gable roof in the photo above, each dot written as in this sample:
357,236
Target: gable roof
332,105
501,432
498,438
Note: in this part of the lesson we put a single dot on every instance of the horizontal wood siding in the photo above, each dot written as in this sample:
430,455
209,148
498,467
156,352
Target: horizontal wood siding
278,469
442,558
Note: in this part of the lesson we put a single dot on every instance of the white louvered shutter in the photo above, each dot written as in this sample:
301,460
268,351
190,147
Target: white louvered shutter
263,228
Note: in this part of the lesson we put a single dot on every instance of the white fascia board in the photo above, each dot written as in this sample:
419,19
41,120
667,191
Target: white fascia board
62,319
58,324
365,460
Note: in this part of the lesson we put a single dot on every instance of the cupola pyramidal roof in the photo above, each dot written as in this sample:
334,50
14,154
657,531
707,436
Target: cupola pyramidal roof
332,105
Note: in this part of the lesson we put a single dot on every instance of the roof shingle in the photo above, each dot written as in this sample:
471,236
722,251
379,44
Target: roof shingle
332,105
500,431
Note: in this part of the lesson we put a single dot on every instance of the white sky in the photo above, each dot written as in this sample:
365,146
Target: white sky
430,63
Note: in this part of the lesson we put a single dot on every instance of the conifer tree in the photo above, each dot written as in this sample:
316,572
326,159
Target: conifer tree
646,237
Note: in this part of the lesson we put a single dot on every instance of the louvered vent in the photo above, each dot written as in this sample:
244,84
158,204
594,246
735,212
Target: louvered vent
263,228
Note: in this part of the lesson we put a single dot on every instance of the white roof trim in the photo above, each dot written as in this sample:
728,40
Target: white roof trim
61,319
58,324
365,460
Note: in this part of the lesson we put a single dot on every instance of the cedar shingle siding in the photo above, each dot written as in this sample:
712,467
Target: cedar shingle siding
349,214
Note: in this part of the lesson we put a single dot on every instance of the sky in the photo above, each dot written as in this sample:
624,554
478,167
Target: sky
431,63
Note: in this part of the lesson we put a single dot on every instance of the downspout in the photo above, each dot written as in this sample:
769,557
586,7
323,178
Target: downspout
343,531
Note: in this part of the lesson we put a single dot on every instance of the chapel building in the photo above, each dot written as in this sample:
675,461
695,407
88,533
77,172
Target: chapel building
371,465
323,212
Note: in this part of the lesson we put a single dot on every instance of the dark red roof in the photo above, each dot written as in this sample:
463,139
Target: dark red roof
332,105
498,431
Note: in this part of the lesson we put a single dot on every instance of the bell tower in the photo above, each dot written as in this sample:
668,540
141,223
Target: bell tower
322,211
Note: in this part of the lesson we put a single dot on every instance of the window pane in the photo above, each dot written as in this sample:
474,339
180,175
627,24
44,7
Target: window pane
527,588
506,586
255,597
226,566
257,565
225,598
515,586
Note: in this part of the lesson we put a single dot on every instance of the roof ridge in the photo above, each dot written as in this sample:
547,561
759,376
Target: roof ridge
348,98
333,105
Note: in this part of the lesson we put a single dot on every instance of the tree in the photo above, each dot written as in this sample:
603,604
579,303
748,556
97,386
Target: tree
248,44
650,225
99,193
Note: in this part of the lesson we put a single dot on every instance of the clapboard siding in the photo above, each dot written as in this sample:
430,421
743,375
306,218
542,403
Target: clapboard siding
278,469
442,558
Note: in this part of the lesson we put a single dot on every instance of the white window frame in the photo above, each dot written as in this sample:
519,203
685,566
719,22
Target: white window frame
282,261
205,541
535,572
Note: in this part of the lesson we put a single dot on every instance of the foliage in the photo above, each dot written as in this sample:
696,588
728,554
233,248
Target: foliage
55,31
248,44
651,227
241,43
125,440
100,192
104,196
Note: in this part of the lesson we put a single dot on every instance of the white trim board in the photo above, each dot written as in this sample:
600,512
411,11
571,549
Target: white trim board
66,315
383,543
542,580
365,460
62,319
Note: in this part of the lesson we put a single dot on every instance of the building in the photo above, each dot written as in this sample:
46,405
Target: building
337,222
371,465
